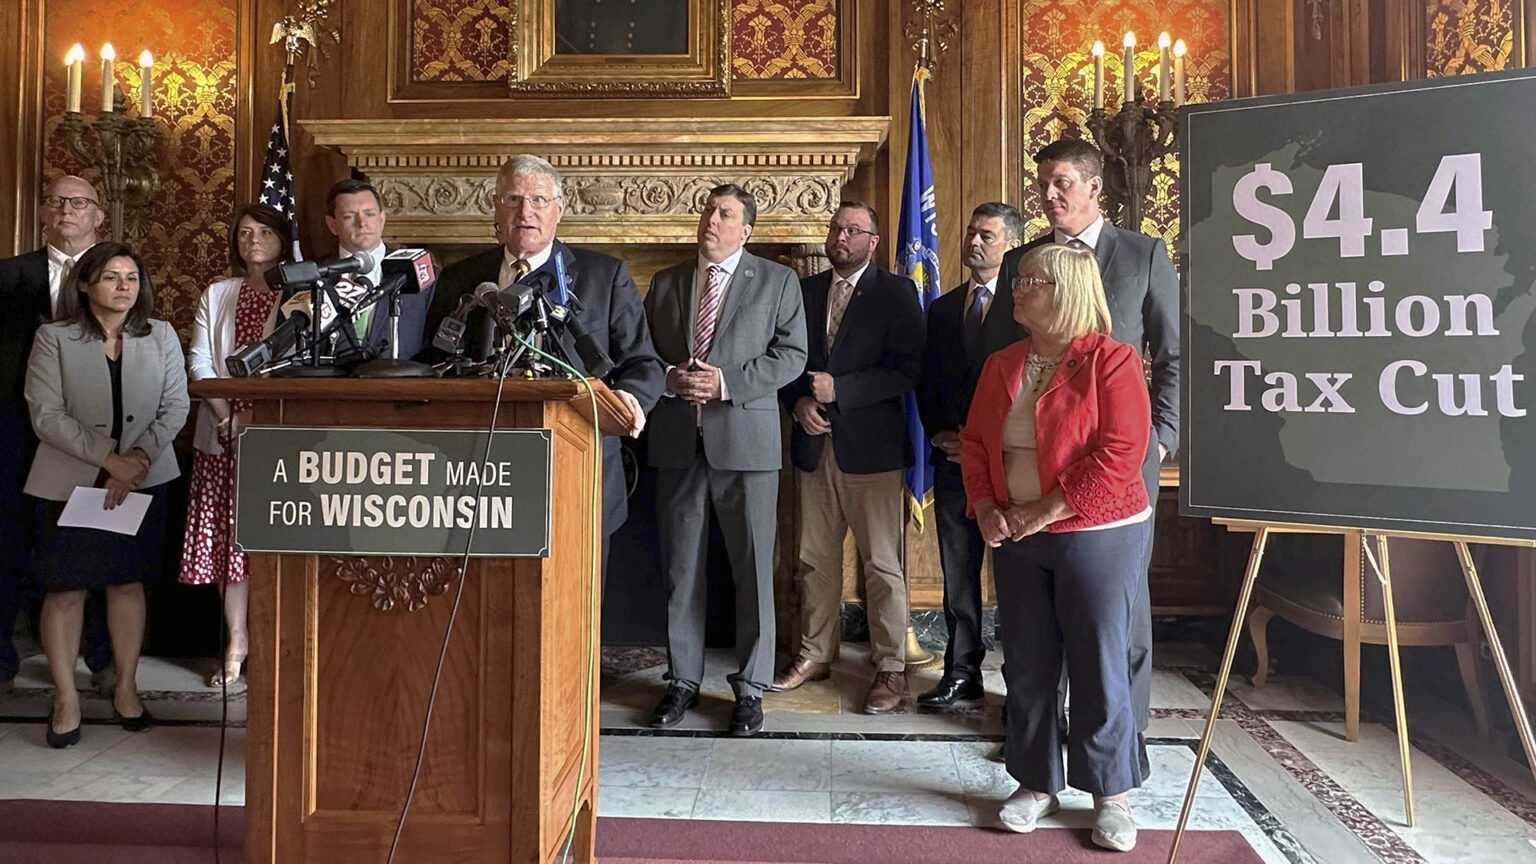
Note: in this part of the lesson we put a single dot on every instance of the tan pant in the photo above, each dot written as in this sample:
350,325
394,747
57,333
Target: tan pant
831,503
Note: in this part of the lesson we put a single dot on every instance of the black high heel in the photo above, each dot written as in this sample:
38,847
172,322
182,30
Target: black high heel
60,740
133,724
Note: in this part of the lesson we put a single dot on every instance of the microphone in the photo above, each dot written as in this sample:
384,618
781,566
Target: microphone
450,333
593,357
250,359
515,299
416,270
296,273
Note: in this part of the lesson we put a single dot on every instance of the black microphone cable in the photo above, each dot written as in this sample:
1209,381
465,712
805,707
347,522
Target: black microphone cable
453,614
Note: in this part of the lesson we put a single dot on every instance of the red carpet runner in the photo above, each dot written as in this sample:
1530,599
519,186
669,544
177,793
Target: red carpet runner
86,832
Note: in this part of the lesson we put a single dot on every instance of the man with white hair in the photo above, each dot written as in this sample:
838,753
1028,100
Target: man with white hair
606,304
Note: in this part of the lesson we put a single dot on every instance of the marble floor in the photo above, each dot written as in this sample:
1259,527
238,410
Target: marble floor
1281,772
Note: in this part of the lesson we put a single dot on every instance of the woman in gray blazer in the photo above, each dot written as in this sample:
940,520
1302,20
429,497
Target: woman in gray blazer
107,390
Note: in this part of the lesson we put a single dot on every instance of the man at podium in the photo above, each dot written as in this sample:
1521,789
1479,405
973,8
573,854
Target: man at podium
605,304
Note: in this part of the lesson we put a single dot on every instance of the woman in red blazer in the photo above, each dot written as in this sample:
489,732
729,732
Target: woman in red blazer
1051,454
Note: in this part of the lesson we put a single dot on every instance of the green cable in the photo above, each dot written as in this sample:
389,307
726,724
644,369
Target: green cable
595,491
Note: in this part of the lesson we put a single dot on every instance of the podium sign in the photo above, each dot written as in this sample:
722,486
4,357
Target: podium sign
1359,347
372,491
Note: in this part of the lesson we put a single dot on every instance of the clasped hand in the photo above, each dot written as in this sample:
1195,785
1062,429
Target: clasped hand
696,381
811,416
1014,523
124,474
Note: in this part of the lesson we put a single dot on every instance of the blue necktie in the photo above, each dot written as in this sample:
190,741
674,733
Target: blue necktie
973,316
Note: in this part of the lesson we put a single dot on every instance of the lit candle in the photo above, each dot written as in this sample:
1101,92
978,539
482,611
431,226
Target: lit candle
1098,74
1130,67
1162,66
1178,72
146,85
73,62
107,56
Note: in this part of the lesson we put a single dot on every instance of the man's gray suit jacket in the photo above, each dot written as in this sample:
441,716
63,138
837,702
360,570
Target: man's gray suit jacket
759,346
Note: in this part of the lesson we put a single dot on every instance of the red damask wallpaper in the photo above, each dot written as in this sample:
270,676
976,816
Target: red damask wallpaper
470,40
1467,36
784,39
1057,39
193,43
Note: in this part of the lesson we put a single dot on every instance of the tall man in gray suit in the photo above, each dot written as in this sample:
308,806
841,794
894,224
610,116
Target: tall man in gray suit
731,329
1143,293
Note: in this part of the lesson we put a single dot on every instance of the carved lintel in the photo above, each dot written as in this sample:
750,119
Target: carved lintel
390,582
627,179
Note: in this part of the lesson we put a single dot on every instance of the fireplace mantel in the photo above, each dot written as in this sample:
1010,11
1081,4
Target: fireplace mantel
627,180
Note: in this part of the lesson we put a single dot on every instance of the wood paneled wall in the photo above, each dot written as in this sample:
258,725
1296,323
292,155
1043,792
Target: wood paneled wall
976,101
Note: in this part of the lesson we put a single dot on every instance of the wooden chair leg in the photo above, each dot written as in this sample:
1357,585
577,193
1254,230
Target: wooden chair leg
1472,679
1258,631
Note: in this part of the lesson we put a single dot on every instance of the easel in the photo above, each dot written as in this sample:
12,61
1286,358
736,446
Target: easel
1357,542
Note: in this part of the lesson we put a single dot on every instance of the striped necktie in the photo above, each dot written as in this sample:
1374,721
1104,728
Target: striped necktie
709,312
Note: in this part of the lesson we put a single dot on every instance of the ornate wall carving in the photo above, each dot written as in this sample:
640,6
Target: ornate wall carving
1468,36
1057,38
193,42
472,40
407,583
624,177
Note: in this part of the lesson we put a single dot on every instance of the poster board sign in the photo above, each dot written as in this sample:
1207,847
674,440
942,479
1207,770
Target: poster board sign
372,491
1358,344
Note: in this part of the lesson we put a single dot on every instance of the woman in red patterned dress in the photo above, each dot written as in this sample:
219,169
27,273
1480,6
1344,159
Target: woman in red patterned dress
232,312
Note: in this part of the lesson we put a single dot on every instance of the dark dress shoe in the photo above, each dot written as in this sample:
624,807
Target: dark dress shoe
134,724
670,710
747,718
60,740
803,669
953,693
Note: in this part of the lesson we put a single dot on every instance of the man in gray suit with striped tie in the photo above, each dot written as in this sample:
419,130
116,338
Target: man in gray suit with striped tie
731,329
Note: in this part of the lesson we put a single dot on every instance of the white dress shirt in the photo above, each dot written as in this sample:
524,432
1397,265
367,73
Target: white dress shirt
988,290
57,271
1089,235
508,273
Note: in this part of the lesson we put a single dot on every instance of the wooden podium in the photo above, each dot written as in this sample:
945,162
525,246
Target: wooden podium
344,650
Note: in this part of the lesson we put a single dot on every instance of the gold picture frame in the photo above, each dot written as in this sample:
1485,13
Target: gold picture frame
539,67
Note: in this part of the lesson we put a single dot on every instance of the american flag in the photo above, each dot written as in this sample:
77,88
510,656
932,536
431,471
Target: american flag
277,178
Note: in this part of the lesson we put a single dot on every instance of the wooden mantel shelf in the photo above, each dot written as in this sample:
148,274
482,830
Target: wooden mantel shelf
627,180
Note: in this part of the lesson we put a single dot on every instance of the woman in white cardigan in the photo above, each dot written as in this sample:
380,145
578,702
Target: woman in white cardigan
107,391
231,313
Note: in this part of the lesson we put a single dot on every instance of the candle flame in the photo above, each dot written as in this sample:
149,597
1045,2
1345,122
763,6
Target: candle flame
108,52
1098,49
76,54
1130,40
146,60
1179,49
1163,41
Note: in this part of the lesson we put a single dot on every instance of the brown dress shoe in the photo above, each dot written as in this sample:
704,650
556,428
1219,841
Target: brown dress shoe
803,669
885,694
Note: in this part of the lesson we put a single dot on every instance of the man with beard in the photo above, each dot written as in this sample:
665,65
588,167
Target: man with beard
865,351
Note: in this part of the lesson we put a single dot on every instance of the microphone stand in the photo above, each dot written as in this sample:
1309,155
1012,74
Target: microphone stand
537,321
392,366
307,360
